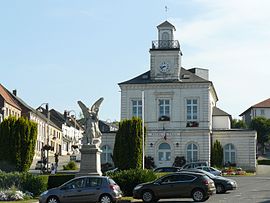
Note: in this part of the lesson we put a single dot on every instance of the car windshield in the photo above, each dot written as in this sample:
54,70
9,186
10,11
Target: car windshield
208,174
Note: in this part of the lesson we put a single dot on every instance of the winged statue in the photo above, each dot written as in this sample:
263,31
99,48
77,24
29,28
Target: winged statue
92,134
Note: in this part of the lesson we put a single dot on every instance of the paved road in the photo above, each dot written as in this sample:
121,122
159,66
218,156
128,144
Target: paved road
251,189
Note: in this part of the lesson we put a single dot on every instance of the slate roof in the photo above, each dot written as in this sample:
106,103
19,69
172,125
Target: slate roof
263,104
8,98
166,24
145,79
218,112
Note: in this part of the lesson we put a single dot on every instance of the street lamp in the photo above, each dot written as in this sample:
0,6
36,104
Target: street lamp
73,118
47,147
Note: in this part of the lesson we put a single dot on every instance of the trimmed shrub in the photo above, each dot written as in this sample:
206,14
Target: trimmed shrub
128,179
264,162
70,166
17,143
59,179
25,182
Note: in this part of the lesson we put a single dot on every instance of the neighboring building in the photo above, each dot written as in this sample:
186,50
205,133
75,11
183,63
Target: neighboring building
181,116
260,109
71,131
108,131
8,106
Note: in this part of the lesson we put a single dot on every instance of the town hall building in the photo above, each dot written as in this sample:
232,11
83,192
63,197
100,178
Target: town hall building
180,110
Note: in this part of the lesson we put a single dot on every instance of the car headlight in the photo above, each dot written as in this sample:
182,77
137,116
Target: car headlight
44,193
137,187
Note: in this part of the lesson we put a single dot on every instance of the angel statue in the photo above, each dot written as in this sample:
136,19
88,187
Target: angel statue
92,134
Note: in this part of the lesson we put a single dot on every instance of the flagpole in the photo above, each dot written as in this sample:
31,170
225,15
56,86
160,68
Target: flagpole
143,129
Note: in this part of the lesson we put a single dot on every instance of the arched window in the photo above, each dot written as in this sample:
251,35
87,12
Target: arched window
229,153
165,36
106,156
164,152
192,152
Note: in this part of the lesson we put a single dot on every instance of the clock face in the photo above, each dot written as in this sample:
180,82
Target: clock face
164,67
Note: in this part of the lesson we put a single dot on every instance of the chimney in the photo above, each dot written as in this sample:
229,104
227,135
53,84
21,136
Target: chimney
14,92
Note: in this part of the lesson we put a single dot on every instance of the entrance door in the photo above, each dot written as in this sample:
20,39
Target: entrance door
164,155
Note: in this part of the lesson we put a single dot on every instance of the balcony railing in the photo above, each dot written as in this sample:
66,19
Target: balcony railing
165,44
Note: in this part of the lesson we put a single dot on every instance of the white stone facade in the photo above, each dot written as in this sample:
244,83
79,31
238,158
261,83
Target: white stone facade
180,113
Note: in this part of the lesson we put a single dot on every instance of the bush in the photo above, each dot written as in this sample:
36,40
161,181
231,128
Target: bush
149,162
70,166
179,161
59,179
264,162
128,179
25,182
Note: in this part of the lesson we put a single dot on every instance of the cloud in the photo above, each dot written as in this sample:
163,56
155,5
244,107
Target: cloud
231,39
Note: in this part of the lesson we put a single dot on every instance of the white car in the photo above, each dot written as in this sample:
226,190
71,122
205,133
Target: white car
40,165
209,169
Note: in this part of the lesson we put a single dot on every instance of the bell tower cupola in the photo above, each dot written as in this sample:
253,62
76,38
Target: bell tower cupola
165,54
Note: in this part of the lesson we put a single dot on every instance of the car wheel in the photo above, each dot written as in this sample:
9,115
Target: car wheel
198,195
53,199
105,199
148,196
220,188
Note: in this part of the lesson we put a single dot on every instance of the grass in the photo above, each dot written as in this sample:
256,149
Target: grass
22,201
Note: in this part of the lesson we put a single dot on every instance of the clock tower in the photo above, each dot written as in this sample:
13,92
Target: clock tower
165,54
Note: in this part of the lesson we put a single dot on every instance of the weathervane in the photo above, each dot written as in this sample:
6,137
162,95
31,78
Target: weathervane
166,12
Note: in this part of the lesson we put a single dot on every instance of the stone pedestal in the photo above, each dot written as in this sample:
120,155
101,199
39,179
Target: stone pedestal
90,161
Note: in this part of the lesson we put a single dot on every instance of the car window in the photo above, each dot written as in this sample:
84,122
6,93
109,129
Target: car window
93,182
169,179
77,183
185,178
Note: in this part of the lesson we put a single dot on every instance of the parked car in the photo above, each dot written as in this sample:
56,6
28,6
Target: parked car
176,185
195,164
166,169
210,169
222,184
41,166
100,189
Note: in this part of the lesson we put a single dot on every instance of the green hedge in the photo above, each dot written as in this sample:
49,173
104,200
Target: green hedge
128,179
264,162
59,179
35,184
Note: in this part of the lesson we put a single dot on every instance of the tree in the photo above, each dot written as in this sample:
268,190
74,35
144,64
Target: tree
240,124
217,154
262,126
17,143
127,151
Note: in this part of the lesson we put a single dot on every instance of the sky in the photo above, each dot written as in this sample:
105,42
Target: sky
62,51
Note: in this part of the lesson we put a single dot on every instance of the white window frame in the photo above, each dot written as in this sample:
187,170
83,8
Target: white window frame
107,152
194,116
192,151
162,107
231,152
137,106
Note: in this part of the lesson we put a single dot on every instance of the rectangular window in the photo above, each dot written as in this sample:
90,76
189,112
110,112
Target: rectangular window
192,109
137,108
164,110
262,112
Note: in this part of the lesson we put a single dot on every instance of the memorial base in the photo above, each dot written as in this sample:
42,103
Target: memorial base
90,161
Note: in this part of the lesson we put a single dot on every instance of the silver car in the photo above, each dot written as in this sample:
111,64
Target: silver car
209,169
84,189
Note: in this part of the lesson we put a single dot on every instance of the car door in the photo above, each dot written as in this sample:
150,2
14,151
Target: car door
167,186
183,184
73,191
93,189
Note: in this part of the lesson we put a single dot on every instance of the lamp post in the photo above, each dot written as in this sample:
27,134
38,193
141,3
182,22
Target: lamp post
73,118
143,129
47,147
